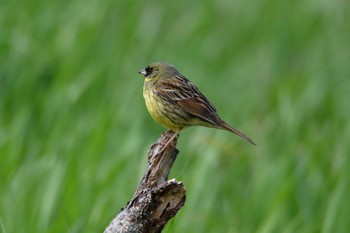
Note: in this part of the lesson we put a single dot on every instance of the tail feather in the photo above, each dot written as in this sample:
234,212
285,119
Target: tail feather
224,125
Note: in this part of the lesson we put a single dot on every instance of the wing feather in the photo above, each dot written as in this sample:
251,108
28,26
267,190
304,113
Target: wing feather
186,95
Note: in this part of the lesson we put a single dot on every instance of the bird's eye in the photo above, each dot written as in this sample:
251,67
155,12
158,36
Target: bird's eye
149,71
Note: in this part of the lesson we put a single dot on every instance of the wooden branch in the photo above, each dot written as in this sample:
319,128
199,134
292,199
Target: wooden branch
156,200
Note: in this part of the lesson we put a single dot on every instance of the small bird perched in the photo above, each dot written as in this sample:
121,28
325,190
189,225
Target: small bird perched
176,103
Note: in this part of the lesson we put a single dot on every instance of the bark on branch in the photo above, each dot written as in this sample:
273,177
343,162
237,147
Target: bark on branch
156,200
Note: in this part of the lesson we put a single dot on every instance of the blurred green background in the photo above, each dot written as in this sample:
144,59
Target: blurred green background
74,130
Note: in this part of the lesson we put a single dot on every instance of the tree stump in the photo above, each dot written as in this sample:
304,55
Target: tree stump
156,200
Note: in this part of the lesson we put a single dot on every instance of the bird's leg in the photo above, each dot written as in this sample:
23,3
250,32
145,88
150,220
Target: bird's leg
170,140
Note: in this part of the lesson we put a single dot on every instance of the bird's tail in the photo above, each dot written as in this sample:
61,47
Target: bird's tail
224,125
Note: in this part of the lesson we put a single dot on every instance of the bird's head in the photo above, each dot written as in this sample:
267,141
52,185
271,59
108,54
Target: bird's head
158,70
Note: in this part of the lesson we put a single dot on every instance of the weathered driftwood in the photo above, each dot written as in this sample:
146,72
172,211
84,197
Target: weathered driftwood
156,200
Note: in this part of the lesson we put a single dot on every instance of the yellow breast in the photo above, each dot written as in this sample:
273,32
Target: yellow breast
157,110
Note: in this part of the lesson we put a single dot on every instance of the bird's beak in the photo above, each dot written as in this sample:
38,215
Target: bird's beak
143,72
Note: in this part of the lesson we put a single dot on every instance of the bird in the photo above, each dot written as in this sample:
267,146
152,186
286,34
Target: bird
176,103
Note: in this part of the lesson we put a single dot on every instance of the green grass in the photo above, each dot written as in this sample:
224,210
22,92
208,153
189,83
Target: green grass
74,131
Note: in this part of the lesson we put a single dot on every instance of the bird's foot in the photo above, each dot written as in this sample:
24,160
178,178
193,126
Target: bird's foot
169,141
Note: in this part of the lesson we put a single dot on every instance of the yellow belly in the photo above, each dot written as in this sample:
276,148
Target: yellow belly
157,110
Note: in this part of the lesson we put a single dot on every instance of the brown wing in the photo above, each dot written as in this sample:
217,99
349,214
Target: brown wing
187,96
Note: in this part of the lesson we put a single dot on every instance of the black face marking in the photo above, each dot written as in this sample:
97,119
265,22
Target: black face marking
149,71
